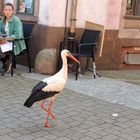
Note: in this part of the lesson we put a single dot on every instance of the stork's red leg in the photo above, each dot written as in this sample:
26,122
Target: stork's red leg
49,113
46,123
43,107
49,109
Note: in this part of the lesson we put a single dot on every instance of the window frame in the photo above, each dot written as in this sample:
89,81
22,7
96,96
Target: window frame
130,21
28,17
131,8
24,17
137,8
24,13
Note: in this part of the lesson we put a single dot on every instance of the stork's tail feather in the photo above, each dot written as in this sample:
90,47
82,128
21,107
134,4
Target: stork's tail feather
38,96
28,103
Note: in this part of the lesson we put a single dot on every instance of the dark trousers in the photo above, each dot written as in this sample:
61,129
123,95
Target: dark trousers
6,59
2,55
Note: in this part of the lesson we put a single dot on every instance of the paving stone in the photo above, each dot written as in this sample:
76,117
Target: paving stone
40,133
127,136
79,130
111,131
86,138
110,137
63,138
136,135
5,131
75,136
93,135
11,125
6,137
51,137
101,133
25,137
41,138
14,134
83,112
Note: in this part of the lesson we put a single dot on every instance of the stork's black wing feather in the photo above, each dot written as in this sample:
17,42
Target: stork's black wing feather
39,86
38,95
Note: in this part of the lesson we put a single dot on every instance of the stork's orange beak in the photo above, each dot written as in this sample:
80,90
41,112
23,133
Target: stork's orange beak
73,58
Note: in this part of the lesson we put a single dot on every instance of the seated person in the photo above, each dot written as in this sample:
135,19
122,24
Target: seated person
10,29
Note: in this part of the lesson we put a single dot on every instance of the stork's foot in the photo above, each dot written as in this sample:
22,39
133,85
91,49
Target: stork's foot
47,126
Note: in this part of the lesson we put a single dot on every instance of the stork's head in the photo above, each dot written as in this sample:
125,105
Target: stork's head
66,53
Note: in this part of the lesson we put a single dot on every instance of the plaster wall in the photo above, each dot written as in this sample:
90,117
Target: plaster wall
91,10
105,12
44,12
113,14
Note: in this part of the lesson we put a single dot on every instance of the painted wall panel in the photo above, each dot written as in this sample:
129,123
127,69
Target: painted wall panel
91,10
105,12
113,14
44,12
57,13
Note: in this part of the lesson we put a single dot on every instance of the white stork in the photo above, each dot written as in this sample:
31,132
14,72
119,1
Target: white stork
50,87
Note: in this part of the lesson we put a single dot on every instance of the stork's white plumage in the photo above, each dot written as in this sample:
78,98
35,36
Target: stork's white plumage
51,86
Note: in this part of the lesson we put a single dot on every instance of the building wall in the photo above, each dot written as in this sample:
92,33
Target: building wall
52,21
113,11
55,15
105,12
44,12
49,29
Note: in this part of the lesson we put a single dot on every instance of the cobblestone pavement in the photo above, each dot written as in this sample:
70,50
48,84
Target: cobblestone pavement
87,109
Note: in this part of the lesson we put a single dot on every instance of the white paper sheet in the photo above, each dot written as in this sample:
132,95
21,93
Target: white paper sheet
6,47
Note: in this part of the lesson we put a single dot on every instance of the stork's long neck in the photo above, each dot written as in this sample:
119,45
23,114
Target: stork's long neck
64,69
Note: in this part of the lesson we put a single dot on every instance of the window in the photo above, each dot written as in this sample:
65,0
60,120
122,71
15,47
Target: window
133,7
27,10
25,7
